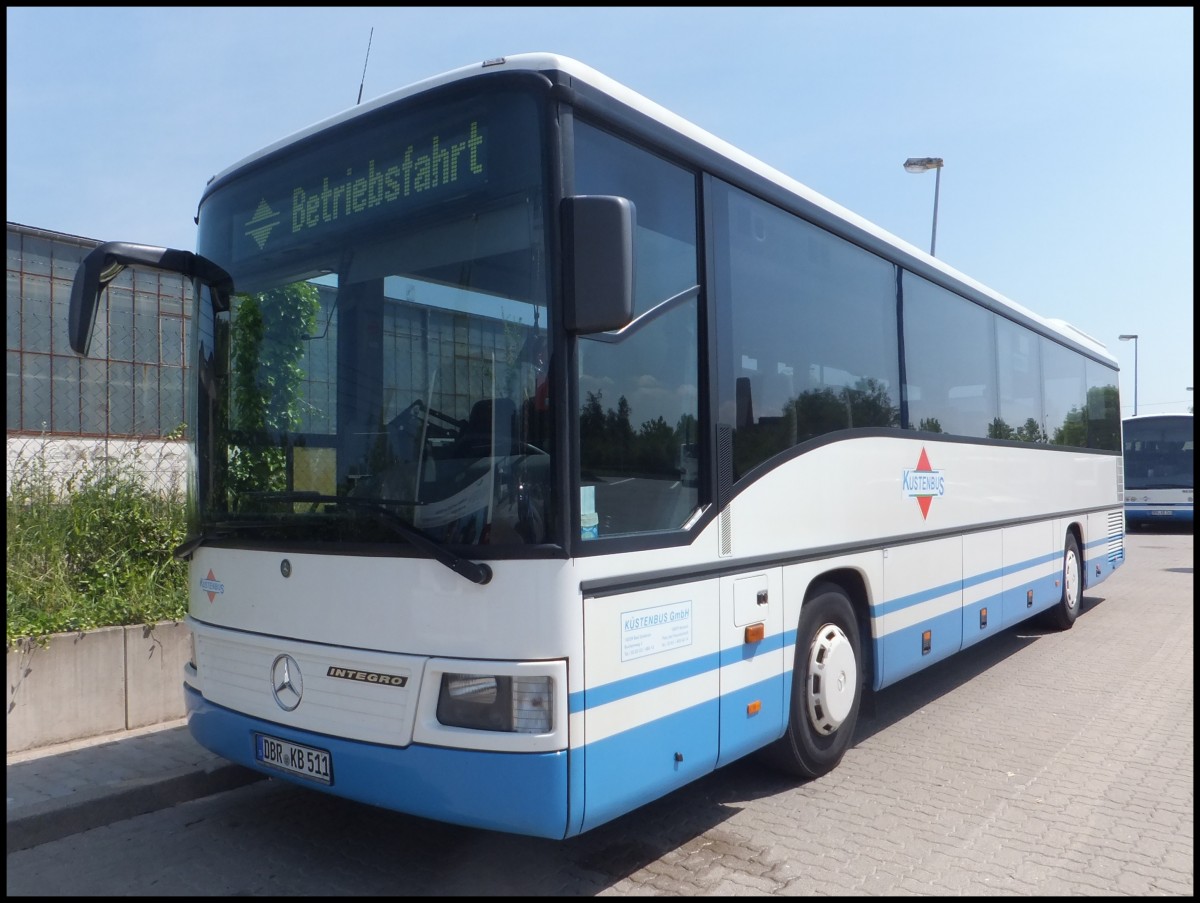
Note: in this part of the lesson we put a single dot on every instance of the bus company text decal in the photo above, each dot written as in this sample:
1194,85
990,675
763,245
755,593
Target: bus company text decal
652,630
923,484
371,677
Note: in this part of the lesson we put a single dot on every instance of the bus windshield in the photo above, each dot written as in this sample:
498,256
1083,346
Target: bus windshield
1159,452
382,359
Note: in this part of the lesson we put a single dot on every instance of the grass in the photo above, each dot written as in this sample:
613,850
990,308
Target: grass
91,551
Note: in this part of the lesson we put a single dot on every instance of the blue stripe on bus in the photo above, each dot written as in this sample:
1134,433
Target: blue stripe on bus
1098,567
1177,513
619,776
468,787
641,683
603,694
743,731
995,574
746,651
892,606
482,791
901,652
900,603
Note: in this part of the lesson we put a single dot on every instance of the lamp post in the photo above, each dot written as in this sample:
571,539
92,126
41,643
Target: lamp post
1134,338
924,164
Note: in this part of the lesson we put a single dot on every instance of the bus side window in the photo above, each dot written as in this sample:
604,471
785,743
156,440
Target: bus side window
639,398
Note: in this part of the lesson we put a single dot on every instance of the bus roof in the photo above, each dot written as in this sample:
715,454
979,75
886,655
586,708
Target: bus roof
580,72
1167,415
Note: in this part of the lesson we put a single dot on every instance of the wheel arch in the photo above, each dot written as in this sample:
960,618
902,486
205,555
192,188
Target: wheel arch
1074,528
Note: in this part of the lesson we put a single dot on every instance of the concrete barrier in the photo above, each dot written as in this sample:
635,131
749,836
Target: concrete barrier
80,685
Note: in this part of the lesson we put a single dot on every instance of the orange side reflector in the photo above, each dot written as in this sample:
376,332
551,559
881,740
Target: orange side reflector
754,708
755,633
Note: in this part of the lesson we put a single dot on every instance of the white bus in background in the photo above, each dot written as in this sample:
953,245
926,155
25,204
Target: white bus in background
550,453
1159,471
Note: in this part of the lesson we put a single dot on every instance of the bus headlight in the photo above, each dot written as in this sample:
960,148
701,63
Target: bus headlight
495,702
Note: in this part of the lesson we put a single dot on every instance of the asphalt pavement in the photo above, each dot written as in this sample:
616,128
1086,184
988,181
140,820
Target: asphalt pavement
58,791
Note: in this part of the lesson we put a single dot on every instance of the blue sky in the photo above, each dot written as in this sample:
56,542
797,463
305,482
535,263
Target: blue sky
1067,134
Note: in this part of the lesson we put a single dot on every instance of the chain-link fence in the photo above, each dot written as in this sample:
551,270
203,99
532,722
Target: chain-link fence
132,382
57,464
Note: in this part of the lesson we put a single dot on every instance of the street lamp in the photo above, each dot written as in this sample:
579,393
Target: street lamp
924,164
1126,338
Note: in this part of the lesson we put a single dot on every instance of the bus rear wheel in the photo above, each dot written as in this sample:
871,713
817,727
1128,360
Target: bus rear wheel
1063,615
826,687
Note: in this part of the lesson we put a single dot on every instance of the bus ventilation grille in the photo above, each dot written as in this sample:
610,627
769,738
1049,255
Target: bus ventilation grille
1116,536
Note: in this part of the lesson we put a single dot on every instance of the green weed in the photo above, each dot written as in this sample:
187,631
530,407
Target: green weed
91,551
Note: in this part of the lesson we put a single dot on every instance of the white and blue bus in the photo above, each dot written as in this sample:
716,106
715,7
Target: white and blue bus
550,453
1159,472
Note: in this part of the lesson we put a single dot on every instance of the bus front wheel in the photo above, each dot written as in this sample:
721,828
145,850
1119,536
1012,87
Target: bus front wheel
826,687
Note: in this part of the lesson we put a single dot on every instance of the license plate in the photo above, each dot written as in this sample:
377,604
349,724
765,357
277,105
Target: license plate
304,761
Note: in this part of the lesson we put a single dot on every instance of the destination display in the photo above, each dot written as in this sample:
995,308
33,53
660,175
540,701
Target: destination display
330,191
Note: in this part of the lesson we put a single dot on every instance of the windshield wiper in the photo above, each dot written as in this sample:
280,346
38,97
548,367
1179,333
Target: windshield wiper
190,543
184,550
475,571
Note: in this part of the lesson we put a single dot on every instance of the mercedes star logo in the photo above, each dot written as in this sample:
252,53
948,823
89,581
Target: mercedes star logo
287,683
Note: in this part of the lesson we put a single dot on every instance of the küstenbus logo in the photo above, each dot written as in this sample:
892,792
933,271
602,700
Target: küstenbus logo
923,484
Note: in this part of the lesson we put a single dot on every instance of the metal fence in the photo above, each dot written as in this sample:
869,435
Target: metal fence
131,385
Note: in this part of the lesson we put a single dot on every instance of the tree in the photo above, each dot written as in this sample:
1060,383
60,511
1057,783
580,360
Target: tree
1073,431
871,404
1104,417
1031,432
998,429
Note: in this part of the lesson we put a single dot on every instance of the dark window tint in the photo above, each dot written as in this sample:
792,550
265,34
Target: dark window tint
1159,453
1020,381
1103,407
807,330
1065,387
639,398
950,355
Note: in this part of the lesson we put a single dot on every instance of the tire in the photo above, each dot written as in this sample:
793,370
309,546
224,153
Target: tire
827,687
1062,616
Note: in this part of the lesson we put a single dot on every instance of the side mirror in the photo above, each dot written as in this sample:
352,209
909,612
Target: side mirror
598,255
104,263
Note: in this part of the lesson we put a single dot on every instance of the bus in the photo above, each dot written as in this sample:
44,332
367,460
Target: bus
549,453
1159,475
